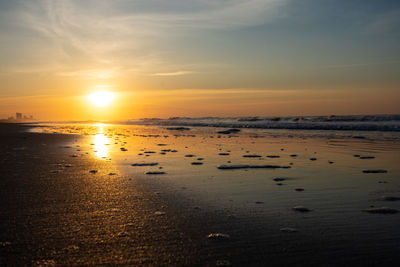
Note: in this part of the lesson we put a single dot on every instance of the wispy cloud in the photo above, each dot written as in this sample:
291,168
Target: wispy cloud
79,36
176,73
92,74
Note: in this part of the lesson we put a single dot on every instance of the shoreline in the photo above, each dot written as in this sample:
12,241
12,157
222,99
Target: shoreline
389,123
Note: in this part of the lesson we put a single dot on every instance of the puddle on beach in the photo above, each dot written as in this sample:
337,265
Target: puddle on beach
326,173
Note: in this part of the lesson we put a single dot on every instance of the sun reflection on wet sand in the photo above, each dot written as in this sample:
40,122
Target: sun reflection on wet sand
101,143
333,186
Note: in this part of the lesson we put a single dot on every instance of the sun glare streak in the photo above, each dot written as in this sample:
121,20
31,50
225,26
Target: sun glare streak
100,145
101,142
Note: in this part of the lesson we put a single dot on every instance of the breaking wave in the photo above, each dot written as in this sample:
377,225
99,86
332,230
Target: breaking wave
333,122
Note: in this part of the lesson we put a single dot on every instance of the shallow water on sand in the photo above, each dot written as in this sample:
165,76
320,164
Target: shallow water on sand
335,176
335,188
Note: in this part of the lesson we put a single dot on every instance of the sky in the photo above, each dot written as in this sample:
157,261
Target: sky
199,57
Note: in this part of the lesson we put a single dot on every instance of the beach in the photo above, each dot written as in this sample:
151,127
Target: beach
104,194
200,133
54,212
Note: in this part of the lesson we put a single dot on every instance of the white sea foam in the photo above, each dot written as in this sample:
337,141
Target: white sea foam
350,122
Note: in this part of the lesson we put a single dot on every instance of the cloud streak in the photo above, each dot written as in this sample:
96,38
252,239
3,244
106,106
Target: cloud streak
176,73
79,36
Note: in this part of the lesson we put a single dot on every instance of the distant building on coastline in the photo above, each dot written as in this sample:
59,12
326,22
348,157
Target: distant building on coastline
19,117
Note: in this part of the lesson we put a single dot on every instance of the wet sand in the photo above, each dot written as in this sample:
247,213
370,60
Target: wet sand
57,215
56,212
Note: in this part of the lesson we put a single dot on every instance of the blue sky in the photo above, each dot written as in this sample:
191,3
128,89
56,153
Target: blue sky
62,48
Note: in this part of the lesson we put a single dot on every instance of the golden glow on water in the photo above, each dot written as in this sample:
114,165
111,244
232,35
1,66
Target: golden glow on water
100,145
101,142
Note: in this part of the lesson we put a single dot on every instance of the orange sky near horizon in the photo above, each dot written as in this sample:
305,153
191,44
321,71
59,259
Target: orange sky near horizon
198,103
199,58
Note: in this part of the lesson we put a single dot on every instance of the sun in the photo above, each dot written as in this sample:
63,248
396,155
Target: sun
101,98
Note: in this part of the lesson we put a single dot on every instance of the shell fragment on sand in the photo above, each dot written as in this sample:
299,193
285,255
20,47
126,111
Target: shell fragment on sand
240,166
218,236
145,164
279,179
301,209
229,131
178,128
374,171
5,244
155,173
382,210
390,198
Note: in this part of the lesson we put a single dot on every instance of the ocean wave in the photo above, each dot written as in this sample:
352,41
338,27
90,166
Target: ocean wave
333,122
